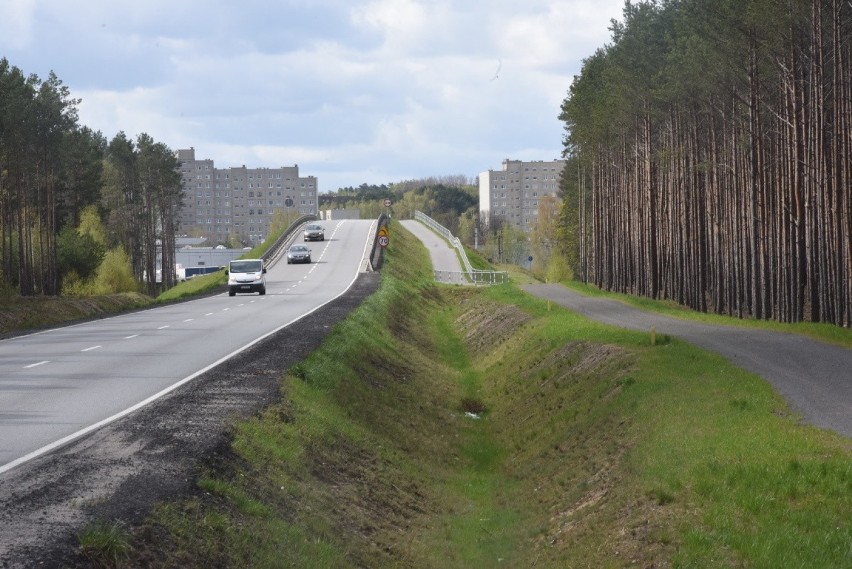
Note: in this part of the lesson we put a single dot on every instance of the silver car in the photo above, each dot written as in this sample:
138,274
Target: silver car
298,254
314,232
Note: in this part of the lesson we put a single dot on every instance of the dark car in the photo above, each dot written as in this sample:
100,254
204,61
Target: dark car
298,254
314,233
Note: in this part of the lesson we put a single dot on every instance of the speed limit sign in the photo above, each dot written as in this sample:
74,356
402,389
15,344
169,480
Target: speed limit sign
387,202
384,240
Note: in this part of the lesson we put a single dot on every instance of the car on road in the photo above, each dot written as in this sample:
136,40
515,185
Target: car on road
314,232
298,254
246,275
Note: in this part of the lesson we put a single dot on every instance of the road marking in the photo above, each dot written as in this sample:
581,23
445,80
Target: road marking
37,364
163,327
84,431
91,348
131,337
209,314
189,319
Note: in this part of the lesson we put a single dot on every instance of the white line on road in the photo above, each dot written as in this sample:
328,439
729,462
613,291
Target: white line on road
131,337
163,327
37,364
91,348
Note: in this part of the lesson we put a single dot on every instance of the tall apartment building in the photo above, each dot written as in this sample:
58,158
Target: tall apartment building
512,193
221,202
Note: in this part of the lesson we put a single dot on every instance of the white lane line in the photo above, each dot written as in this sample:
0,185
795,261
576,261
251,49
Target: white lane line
131,337
189,319
209,314
84,431
37,364
91,348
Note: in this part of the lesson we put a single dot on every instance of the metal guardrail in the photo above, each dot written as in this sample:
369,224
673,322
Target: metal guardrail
469,275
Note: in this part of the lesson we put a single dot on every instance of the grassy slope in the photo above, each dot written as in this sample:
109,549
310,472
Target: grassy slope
443,427
28,313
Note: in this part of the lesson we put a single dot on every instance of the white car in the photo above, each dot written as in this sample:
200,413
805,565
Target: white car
246,275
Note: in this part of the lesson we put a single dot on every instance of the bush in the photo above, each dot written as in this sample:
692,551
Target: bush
115,273
558,269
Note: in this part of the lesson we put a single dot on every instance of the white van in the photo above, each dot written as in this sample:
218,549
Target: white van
246,275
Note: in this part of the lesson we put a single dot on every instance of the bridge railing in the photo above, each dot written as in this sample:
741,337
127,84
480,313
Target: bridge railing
469,275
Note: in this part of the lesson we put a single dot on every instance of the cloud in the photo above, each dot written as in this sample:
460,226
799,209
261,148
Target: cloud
16,25
395,88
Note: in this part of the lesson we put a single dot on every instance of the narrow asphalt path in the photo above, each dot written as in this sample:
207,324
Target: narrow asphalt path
445,261
814,377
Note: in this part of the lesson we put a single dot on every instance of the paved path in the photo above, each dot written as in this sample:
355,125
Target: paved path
445,260
814,377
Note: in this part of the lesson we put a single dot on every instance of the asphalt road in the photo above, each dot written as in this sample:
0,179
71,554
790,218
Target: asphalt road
814,377
445,260
58,385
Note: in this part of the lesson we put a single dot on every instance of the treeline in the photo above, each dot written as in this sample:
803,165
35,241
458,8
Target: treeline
453,201
711,158
52,169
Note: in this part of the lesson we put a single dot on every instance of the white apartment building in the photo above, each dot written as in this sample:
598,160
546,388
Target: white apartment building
221,202
512,193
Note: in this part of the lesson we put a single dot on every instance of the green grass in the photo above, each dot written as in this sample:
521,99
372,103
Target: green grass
708,460
195,286
458,427
818,330
105,544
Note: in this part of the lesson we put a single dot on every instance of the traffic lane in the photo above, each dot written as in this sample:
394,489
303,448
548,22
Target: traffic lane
96,373
814,377
332,261
45,403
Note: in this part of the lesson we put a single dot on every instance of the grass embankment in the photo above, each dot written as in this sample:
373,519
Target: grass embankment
19,314
442,427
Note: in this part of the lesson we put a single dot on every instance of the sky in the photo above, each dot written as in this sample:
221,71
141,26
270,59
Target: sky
352,91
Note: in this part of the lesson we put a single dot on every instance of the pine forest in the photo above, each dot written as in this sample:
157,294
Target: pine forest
710,158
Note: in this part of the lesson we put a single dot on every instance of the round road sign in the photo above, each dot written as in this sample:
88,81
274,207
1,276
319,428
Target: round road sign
383,240
387,203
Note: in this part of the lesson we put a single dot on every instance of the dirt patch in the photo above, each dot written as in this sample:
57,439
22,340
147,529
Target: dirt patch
488,325
120,471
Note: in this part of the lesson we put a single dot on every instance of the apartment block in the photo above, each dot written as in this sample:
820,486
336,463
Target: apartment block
512,193
219,203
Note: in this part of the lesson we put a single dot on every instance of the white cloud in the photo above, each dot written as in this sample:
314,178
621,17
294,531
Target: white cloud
16,23
371,88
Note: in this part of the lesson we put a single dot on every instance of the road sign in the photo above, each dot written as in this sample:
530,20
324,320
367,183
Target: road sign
383,231
384,241
387,202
